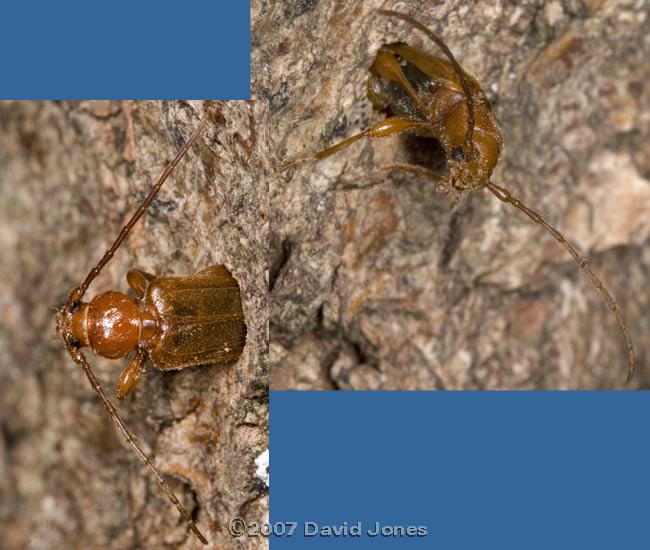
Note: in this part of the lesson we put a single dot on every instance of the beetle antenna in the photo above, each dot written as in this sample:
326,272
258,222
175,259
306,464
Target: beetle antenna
79,358
77,293
469,144
504,195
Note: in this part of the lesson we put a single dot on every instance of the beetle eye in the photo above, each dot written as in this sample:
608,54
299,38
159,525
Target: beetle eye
74,308
458,154
74,342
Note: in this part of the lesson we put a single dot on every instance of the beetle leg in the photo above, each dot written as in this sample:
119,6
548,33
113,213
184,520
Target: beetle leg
415,169
443,183
387,66
385,128
139,280
130,375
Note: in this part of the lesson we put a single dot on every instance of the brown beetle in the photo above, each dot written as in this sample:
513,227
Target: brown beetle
177,321
434,97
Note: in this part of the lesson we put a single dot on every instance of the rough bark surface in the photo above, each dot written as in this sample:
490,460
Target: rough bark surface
376,284
70,174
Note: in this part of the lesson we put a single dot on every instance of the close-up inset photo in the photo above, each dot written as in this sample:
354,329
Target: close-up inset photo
461,194
134,343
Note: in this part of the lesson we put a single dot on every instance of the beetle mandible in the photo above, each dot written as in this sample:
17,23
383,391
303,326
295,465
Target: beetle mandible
177,321
435,97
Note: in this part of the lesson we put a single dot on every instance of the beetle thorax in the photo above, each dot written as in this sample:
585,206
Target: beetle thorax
110,324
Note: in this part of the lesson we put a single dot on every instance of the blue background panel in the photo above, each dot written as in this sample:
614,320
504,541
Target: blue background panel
139,49
500,470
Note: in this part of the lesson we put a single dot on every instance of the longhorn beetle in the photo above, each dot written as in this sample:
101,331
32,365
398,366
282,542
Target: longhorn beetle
435,97
177,321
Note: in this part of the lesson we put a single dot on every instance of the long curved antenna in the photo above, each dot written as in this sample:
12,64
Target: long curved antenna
469,144
78,292
79,358
504,195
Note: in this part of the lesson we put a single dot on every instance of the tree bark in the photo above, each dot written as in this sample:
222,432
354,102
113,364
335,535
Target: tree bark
376,284
71,174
